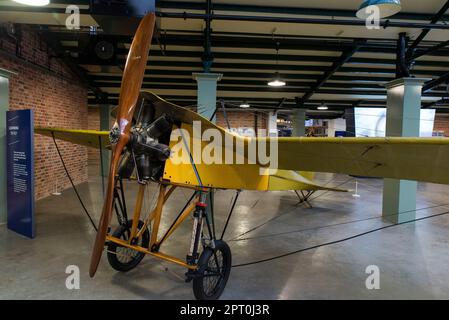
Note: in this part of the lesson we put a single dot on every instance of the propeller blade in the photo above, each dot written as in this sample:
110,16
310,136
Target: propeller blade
129,94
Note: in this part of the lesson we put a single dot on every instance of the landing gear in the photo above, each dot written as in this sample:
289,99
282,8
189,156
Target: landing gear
208,261
214,264
124,259
214,267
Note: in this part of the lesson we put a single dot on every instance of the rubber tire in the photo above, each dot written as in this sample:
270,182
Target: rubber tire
112,247
208,253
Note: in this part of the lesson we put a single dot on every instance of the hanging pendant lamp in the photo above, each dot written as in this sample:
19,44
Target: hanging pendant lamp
387,8
277,80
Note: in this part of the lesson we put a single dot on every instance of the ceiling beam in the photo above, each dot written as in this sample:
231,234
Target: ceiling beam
115,81
281,57
236,86
184,5
428,51
220,66
435,82
425,31
286,57
300,20
345,56
257,17
246,75
259,89
263,41
259,100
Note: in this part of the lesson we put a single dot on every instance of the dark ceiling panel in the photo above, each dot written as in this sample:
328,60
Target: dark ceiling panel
248,60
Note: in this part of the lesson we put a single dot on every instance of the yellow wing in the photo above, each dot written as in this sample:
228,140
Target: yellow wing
89,138
421,159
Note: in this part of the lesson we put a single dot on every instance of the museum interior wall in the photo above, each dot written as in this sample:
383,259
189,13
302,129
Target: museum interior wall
42,82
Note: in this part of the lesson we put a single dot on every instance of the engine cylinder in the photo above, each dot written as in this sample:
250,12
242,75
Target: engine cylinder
144,167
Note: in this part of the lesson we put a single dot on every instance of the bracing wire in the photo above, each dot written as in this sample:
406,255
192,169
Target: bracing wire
339,224
282,214
338,241
73,184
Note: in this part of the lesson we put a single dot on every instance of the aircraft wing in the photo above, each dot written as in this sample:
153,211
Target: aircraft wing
292,180
88,138
420,159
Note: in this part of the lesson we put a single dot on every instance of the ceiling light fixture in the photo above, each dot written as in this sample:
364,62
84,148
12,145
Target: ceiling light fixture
34,3
323,107
387,8
244,105
277,80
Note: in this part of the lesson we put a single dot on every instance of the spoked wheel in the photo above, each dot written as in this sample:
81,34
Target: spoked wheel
124,259
213,272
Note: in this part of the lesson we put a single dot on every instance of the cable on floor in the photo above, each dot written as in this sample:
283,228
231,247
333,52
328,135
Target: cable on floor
282,214
337,224
337,241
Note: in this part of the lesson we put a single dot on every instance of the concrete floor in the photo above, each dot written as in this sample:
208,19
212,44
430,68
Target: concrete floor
413,258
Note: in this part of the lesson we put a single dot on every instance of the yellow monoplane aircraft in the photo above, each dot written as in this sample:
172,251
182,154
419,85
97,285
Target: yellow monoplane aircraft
159,142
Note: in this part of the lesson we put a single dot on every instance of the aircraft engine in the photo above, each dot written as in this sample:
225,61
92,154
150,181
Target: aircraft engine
146,149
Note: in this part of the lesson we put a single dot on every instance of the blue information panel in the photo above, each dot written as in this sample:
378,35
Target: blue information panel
20,172
340,134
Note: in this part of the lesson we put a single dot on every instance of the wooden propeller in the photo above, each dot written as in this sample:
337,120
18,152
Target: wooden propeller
129,94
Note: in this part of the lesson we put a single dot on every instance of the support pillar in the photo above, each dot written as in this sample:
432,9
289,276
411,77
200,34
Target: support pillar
350,122
207,104
272,124
4,106
207,93
403,118
105,125
299,123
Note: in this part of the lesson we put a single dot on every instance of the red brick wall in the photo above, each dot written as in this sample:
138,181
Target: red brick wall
238,119
93,123
48,87
442,123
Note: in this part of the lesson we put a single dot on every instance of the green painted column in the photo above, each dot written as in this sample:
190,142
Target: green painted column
4,106
403,118
207,93
105,125
299,123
